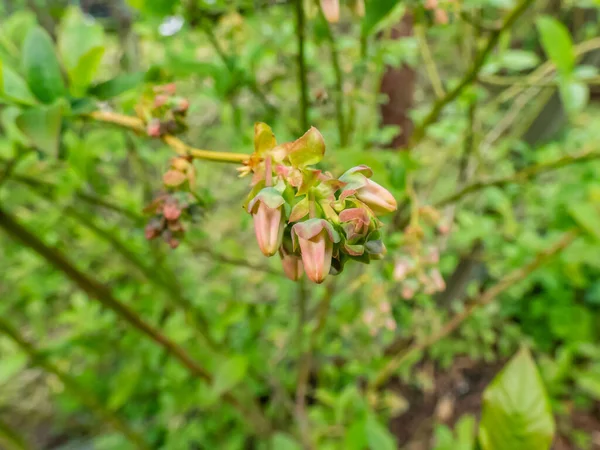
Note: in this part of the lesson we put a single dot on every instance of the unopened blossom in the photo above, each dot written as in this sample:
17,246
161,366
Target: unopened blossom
267,212
292,264
372,194
315,237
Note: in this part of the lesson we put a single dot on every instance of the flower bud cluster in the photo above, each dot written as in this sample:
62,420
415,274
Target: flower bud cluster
163,111
168,212
314,221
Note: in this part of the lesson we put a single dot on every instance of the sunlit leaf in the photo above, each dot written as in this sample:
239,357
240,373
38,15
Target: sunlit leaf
42,126
516,412
230,373
41,66
308,149
13,87
557,43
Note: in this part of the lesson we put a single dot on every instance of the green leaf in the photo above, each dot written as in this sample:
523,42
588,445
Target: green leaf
587,217
230,373
590,383
557,43
356,438
124,384
13,88
8,119
282,441
308,149
574,95
16,27
376,11
42,126
41,66
81,46
516,412
378,436
518,60
116,86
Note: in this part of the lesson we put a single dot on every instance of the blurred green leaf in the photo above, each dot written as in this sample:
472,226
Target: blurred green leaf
375,12
41,67
378,436
587,217
16,27
557,43
13,88
282,441
124,384
42,126
230,373
81,46
116,86
516,413
574,95
518,60
589,382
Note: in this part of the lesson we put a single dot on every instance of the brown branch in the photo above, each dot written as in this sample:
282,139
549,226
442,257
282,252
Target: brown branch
101,293
71,384
470,76
521,176
486,298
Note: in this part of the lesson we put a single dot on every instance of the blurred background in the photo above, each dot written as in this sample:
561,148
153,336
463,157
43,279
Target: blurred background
480,329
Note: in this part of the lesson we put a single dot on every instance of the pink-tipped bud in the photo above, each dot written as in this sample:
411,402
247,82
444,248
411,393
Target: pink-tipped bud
315,238
376,197
153,128
267,211
292,265
331,10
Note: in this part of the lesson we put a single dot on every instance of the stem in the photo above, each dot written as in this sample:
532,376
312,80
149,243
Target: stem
101,293
432,72
302,73
486,298
70,383
180,147
470,76
520,176
306,359
339,84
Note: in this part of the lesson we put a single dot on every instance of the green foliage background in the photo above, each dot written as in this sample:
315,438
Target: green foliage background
506,153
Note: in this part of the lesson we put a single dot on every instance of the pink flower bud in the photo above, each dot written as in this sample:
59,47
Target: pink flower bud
292,265
331,10
153,128
376,197
267,211
315,238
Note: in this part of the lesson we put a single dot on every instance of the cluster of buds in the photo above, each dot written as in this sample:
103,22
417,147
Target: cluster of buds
440,14
417,268
182,169
168,213
163,111
314,221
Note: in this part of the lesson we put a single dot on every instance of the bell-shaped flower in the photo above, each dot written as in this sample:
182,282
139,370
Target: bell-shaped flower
372,194
267,211
292,264
315,237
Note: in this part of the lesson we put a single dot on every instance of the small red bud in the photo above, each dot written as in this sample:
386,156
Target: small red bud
171,211
153,128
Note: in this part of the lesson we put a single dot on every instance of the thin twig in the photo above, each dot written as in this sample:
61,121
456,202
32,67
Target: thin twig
71,384
180,147
301,62
520,176
430,67
100,292
305,364
339,84
486,298
470,76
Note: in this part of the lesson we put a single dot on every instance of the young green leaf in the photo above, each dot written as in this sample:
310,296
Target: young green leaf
574,95
116,86
13,88
81,46
42,126
230,373
282,441
516,411
41,67
557,43
378,436
587,216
